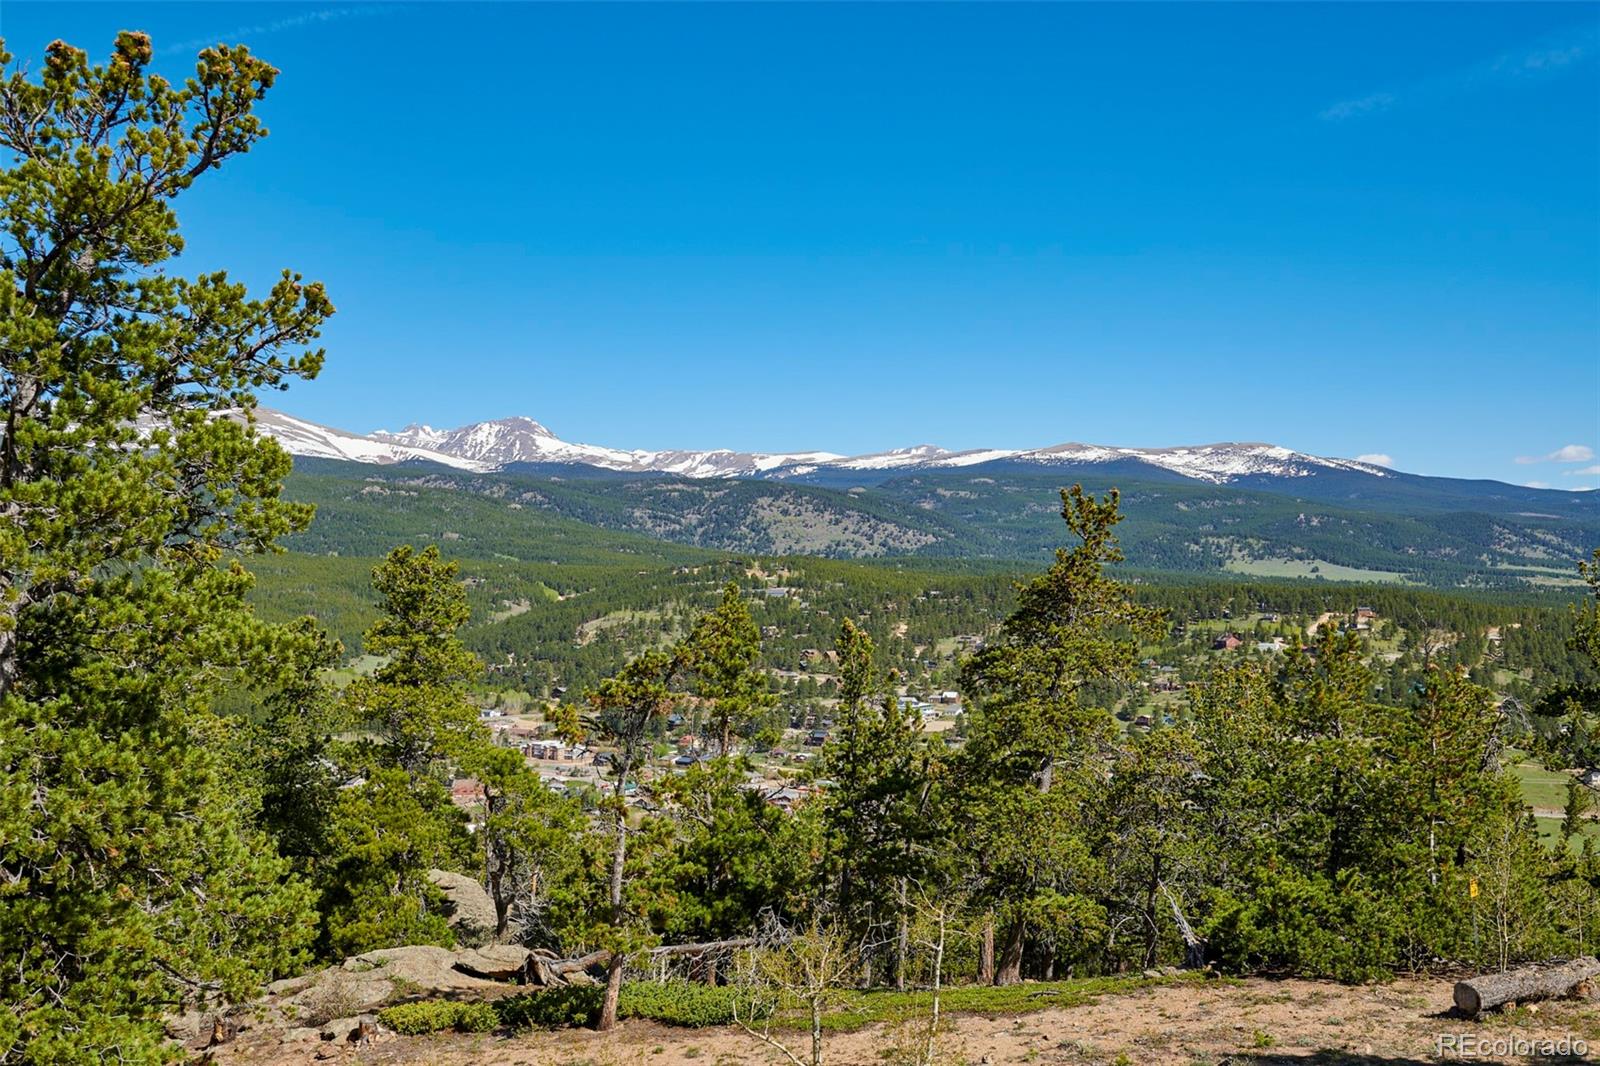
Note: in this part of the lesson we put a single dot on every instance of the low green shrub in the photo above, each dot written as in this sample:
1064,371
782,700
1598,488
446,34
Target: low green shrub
1309,926
477,1018
552,1008
673,1003
432,1016
678,1003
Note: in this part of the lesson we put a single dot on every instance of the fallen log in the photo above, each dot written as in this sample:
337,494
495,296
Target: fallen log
543,968
545,972
703,947
1483,993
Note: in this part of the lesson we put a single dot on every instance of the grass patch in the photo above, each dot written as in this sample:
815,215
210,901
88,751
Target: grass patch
856,1009
1311,569
1550,833
677,1003
695,1006
1545,789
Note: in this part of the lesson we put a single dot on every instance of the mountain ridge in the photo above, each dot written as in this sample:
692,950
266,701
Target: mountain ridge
495,444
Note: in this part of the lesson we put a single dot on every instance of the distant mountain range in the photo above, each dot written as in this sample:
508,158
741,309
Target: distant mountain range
521,444
1246,509
495,445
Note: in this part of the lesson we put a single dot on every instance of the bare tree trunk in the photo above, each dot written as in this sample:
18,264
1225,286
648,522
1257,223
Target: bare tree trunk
816,1030
1152,932
938,980
1010,969
902,943
494,870
619,859
608,1011
986,951
1194,949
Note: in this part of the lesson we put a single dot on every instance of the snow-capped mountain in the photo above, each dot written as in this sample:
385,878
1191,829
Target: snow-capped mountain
1216,463
300,437
496,444
522,440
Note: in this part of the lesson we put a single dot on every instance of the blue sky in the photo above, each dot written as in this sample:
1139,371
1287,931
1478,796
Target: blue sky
1352,229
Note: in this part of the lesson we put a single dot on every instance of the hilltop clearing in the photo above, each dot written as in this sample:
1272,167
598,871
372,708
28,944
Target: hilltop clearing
1256,1021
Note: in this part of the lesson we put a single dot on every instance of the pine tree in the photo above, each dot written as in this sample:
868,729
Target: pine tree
133,879
623,710
1034,754
723,652
735,856
1155,837
879,806
417,700
527,837
388,832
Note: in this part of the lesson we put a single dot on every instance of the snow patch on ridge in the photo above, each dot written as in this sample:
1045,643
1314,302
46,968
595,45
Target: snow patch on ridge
491,445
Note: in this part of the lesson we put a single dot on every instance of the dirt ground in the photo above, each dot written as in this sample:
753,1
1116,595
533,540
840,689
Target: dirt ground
1256,1022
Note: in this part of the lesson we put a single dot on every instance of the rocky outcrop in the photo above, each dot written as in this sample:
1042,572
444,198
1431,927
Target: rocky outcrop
496,962
337,1006
470,910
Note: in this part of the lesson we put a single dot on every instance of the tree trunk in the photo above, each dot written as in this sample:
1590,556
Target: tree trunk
938,981
1530,982
1152,932
816,1030
703,946
986,951
608,1012
619,859
545,971
1194,949
902,942
1010,970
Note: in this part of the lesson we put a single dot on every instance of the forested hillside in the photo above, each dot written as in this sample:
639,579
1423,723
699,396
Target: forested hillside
1175,525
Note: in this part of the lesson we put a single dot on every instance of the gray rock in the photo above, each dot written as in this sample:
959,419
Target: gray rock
187,1027
470,910
496,962
399,961
416,969
290,985
341,1028
339,993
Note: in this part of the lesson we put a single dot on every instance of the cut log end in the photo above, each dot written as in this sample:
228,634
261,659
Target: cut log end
1473,997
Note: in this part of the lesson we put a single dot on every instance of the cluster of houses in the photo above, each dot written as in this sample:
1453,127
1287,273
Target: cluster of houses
936,706
1233,641
556,751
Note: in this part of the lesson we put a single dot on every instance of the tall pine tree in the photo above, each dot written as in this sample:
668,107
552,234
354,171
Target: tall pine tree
130,878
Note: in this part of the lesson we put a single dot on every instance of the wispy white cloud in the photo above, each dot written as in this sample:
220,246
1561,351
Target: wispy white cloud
1546,57
1376,459
1588,471
1535,484
1361,105
247,34
1567,453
